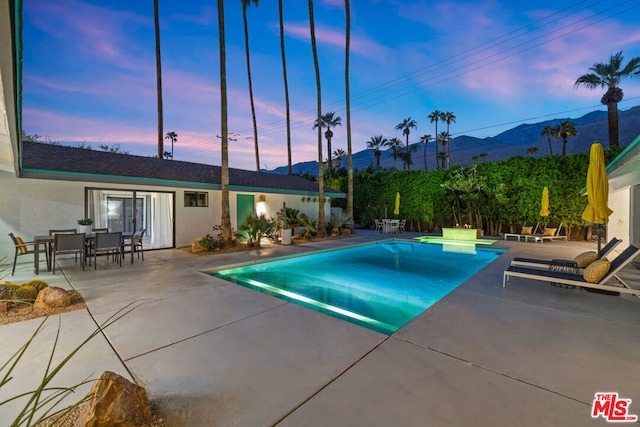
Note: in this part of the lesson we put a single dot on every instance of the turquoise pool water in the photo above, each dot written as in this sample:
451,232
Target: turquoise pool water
380,286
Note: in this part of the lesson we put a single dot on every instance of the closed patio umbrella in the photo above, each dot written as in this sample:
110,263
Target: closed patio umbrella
597,212
396,211
544,211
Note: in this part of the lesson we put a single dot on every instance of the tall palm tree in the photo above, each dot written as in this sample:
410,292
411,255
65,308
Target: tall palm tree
321,227
448,117
328,121
565,130
286,89
375,143
174,138
532,151
339,154
156,18
405,127
395,144
425,140
608,76
549,131
434,117
444,139
245,5
347,12
225,222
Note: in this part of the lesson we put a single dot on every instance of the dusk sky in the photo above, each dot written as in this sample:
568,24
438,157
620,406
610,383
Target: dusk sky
89,70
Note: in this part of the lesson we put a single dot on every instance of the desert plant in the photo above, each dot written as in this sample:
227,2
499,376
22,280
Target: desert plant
255,227
26,293
210,243
310,226
45,401
38,284
340,220
288,217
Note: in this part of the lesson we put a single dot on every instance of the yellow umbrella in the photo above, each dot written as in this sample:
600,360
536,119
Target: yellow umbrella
545,202
597,211
396,211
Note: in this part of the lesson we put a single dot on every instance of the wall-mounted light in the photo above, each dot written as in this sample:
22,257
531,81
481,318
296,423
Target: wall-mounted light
263,198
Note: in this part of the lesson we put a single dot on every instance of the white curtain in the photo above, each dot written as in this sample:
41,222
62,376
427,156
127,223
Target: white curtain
161,221
97,205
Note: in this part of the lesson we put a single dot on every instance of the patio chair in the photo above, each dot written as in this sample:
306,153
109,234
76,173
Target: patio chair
551,231
65,243
91,242
26,248
580,261
528,229
394,226
595,275
379,225
110,244
59,231
136,242
401,226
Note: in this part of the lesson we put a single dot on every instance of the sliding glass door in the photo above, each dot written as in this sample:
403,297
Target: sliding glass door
130,210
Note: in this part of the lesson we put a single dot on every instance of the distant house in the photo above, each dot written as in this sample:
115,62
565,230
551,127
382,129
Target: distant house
624,195
46,186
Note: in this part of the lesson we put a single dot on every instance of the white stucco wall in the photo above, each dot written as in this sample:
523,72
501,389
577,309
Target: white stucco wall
620,221
31,207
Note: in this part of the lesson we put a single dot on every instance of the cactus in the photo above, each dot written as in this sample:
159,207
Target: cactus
11,290
26,292
38,284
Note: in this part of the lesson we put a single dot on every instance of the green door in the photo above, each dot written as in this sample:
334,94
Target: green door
245,205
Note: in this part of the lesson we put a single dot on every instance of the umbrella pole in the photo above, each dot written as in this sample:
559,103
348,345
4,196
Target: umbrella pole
599,226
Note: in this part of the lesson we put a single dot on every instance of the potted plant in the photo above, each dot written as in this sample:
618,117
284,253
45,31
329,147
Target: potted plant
85,225
287,219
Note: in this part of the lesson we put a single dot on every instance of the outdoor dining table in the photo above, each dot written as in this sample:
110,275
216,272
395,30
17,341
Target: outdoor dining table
49,239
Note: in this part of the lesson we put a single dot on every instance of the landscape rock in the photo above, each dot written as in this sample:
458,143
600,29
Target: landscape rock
196,246
52,297
116,402
345,232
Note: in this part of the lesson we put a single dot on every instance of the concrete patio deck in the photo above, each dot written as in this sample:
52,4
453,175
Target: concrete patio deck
210,352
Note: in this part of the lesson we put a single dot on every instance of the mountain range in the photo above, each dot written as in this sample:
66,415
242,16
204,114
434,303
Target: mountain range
464,149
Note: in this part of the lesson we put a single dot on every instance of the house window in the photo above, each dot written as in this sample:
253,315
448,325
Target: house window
196,199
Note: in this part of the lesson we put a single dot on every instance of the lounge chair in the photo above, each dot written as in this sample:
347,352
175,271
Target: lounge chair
550,232
528,229
573,279
546,263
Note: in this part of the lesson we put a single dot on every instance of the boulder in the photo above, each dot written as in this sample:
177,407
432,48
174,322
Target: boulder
52,297
116,402
345,232
196,246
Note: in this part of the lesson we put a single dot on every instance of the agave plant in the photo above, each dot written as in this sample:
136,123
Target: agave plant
255,227
288,217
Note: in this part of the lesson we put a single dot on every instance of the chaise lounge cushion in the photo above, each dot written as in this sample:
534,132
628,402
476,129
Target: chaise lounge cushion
549,231
596,271
527,231
585,258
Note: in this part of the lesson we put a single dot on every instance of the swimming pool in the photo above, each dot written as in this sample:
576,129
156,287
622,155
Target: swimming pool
380,286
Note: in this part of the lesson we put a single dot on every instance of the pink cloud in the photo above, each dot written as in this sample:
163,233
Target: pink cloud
98,32
361,45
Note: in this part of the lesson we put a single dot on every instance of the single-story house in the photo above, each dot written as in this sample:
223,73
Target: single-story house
45,186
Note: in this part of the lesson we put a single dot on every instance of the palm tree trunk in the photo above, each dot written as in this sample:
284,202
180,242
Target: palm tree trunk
321,226
253,110
550,146
156,17
225,222
612,109
286,89
329,134
348,106
425,157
